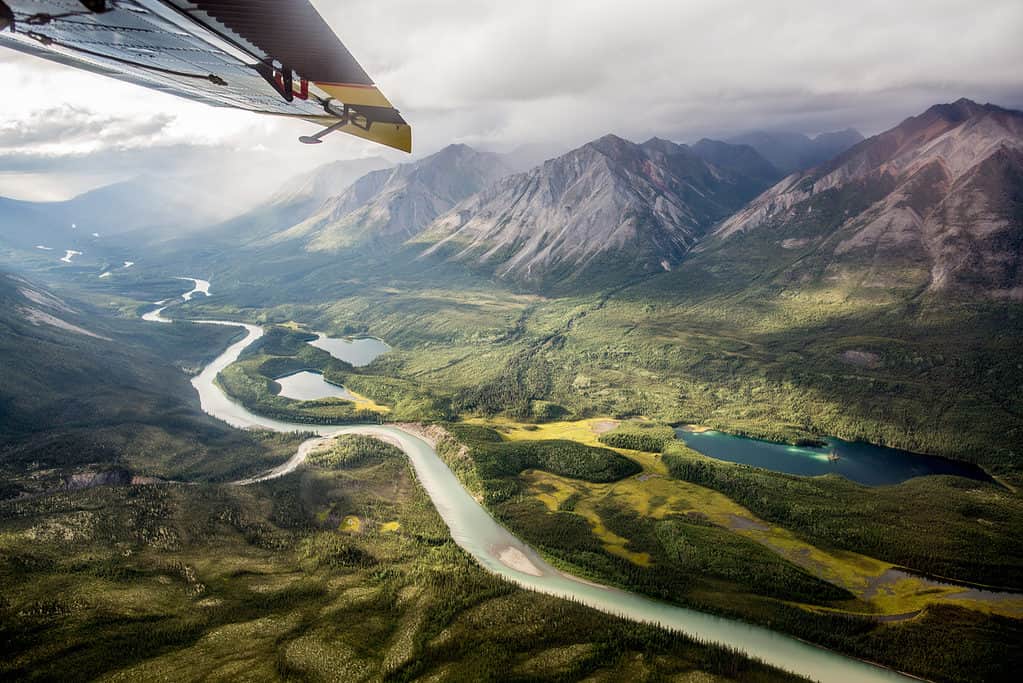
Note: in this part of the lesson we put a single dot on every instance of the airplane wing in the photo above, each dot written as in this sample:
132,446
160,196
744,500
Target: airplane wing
275,57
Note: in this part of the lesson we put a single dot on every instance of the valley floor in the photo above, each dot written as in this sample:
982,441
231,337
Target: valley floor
685,543
832,562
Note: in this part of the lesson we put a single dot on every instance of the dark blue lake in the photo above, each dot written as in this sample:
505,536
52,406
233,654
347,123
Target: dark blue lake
860,462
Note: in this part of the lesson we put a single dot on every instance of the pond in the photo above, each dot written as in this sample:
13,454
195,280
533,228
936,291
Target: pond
358,351
310,386
860,462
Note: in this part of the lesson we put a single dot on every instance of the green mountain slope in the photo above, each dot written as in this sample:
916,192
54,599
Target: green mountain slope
83,392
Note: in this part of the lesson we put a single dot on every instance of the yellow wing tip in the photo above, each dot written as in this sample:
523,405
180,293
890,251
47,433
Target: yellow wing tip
366,95
394,135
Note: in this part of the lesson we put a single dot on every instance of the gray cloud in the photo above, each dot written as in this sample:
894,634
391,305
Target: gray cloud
573,69
72,124
167,159
500,74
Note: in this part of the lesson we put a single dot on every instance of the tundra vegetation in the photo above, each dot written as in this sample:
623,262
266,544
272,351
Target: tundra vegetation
269,582
694,346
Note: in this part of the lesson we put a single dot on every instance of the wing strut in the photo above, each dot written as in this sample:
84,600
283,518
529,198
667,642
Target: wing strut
347,116
318,137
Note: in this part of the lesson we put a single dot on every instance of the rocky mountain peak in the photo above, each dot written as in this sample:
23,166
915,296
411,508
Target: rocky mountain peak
960,110
608,207
394,204
661,145
939,191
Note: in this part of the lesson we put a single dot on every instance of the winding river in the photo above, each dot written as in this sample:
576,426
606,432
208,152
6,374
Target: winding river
497,550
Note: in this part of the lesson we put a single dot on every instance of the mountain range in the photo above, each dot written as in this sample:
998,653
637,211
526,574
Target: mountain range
611,207
790,152
935,202
932,204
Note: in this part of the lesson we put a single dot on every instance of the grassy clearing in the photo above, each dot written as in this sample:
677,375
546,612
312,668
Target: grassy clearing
657,496
363,403
488,464
682,542
979,522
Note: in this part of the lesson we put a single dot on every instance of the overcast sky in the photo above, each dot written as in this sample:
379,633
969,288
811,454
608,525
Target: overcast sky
497,74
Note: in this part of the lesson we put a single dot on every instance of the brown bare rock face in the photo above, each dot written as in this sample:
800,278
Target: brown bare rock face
936,202
391,205
607,211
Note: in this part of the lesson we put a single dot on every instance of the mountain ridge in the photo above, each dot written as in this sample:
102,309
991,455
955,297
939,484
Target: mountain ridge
791,152
895,205
394,204
609,204
939,194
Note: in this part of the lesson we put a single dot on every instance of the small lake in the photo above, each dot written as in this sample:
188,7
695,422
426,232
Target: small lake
860,462
359,351
310,386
